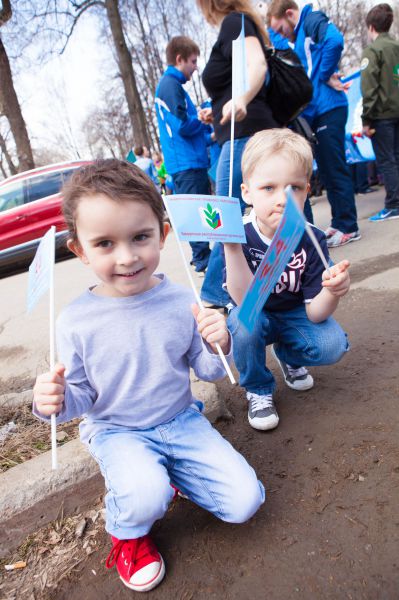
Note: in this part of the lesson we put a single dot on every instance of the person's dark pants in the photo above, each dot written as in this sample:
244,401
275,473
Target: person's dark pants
195,181
360,178
334,172
386,147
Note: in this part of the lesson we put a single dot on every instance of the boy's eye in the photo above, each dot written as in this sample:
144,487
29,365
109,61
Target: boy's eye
141,237
268,188
104,244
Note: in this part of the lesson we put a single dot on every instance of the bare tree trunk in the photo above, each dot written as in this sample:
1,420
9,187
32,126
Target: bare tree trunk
136,112
4,173
10,107
6,154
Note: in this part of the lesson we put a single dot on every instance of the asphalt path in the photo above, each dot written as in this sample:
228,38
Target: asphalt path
24,346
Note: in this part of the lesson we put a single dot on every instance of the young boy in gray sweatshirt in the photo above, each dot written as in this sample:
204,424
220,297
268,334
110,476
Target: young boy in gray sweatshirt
125,347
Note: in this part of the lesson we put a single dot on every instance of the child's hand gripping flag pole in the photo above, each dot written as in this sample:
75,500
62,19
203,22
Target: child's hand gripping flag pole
205,218
239,87
41,279
284,242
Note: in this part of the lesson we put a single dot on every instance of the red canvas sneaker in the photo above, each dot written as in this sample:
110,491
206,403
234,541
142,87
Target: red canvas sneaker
139,564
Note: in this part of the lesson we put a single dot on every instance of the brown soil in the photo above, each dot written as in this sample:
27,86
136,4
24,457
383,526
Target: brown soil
329,529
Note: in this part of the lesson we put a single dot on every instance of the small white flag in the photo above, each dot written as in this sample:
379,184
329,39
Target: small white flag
41,269
239,61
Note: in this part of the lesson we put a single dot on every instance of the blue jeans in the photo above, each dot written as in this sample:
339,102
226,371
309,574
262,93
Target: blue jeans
386,147
195,181
299,342
139,465
334,172
212,290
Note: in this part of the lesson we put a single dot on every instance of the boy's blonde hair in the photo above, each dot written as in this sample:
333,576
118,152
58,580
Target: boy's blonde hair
276,141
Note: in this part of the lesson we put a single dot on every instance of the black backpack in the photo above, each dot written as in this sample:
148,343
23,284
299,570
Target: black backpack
289,89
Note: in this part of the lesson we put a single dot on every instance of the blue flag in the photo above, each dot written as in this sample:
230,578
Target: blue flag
200,218
358,148
284,242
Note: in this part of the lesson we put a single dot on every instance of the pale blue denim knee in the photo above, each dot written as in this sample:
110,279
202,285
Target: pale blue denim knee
139,465
299,342
212,290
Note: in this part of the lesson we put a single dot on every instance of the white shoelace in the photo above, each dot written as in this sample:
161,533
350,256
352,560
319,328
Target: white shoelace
296,372
260,402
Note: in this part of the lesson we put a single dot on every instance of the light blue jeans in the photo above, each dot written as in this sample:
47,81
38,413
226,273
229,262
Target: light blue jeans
139,465
299,342
212,290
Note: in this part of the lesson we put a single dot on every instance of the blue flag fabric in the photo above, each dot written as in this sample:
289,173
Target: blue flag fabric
196,217
40,270
284,242
358,148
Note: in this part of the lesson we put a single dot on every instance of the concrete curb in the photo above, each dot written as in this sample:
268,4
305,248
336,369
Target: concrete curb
32,495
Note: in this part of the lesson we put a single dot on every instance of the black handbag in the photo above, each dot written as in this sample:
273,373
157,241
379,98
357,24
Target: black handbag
289,89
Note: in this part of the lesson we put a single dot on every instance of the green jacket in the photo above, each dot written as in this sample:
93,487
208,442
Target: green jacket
380,79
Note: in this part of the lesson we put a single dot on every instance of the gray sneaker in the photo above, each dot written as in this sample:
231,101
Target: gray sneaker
298,379
262,413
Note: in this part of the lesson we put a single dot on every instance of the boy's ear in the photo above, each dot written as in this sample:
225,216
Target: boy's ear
245,194
76,248
166,229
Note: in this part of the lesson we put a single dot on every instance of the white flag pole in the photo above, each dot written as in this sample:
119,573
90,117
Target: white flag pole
232,144
317,246
197,296
52,354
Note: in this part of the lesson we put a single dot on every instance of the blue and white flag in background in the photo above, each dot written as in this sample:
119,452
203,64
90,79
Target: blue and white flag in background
240,83
200,218
284,242
41,269
358,148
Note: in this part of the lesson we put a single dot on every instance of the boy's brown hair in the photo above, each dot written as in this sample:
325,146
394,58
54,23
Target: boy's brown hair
118,180
182,45
380,17
278,8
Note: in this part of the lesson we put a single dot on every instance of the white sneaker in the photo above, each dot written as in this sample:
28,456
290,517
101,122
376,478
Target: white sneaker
297,379
262,413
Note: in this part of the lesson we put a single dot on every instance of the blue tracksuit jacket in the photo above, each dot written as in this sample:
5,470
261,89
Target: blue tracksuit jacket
182,134
319,45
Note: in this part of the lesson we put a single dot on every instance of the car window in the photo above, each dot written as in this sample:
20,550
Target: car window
42,186
11,195
67,173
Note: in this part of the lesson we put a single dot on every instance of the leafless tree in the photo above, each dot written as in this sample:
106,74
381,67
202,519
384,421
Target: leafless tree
9,104
107,128
8,167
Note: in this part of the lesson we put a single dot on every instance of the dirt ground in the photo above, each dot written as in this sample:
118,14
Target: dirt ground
329,528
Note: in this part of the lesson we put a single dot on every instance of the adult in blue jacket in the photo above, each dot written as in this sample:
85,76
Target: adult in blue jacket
182,134
319,45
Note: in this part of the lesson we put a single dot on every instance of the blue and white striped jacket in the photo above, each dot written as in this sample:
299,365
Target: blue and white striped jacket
181,132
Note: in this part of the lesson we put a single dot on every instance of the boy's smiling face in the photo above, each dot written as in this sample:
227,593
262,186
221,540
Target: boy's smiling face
264,190
121,241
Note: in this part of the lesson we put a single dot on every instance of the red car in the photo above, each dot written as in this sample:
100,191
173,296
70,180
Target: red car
30,203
